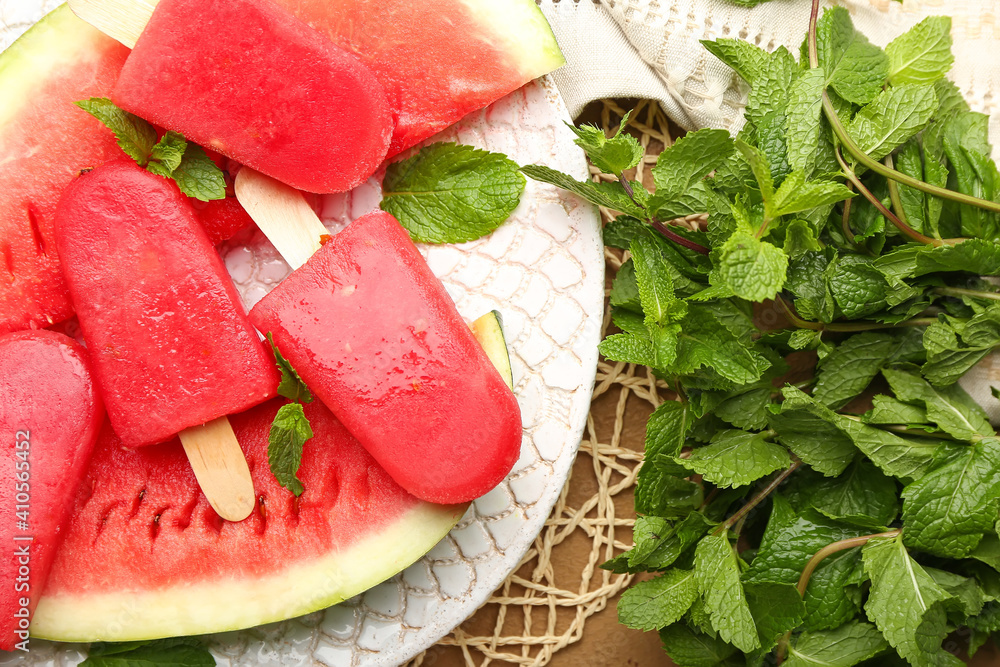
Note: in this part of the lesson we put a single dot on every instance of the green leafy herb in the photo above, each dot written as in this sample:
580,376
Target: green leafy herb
289,432
175,652
845,512
451,193
290,428
172,156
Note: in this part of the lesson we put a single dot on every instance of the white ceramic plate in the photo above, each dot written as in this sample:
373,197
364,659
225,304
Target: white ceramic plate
544,270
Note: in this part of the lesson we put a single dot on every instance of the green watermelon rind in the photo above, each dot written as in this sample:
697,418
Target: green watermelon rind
522,32
298,589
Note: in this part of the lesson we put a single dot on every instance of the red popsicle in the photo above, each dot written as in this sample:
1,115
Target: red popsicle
377,338
248,79
170,341
50,415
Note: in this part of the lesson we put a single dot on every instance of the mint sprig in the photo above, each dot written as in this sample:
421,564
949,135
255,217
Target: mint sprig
171,157
290,429
849,511
172,652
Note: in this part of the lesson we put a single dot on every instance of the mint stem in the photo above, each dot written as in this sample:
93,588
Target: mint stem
899,224
757,499
677,238
848,327
892,174
960,291
831,549
862,157
814,562
846,221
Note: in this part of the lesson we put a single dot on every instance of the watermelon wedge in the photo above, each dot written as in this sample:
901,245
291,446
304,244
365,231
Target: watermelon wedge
146,556
438,60
44,143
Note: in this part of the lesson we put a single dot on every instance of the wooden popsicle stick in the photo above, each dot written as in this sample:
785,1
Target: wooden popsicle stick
220,467
123,20
282,213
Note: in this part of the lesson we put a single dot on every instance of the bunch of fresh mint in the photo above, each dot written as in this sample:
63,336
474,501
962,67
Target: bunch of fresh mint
849,516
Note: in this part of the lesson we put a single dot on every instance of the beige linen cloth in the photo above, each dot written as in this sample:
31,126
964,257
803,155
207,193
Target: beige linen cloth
650,49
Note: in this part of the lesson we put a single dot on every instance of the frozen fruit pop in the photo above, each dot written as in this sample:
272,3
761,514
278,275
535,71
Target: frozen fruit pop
374,334
170,341
248,79
50,415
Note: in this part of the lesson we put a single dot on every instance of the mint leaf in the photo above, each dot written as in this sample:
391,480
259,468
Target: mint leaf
796,194
169,151
854,67
848,645
947,511
630,348
705,344
174,652
805,111
950,408
173,157
659,602
736,458
851,367
905,458
922,55
134,135
690,648
656,295
892,118
688,160
776,609
906,604
291,385
608,195
746,409
451,193
289,432
749,60
889,410
752,269
812,437
612,156
862,496
718,574
198,176
658,491
857,286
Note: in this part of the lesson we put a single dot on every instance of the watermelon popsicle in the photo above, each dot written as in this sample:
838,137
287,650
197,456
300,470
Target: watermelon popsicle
249,80
172,349
50,415
376,337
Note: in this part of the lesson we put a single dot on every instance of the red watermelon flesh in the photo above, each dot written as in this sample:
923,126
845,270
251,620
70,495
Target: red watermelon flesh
146,556
438,60
50,414
44,143
249,80
169,337
375,336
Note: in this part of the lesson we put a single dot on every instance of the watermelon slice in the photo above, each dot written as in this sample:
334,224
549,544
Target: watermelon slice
44,143
146,556
438,60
